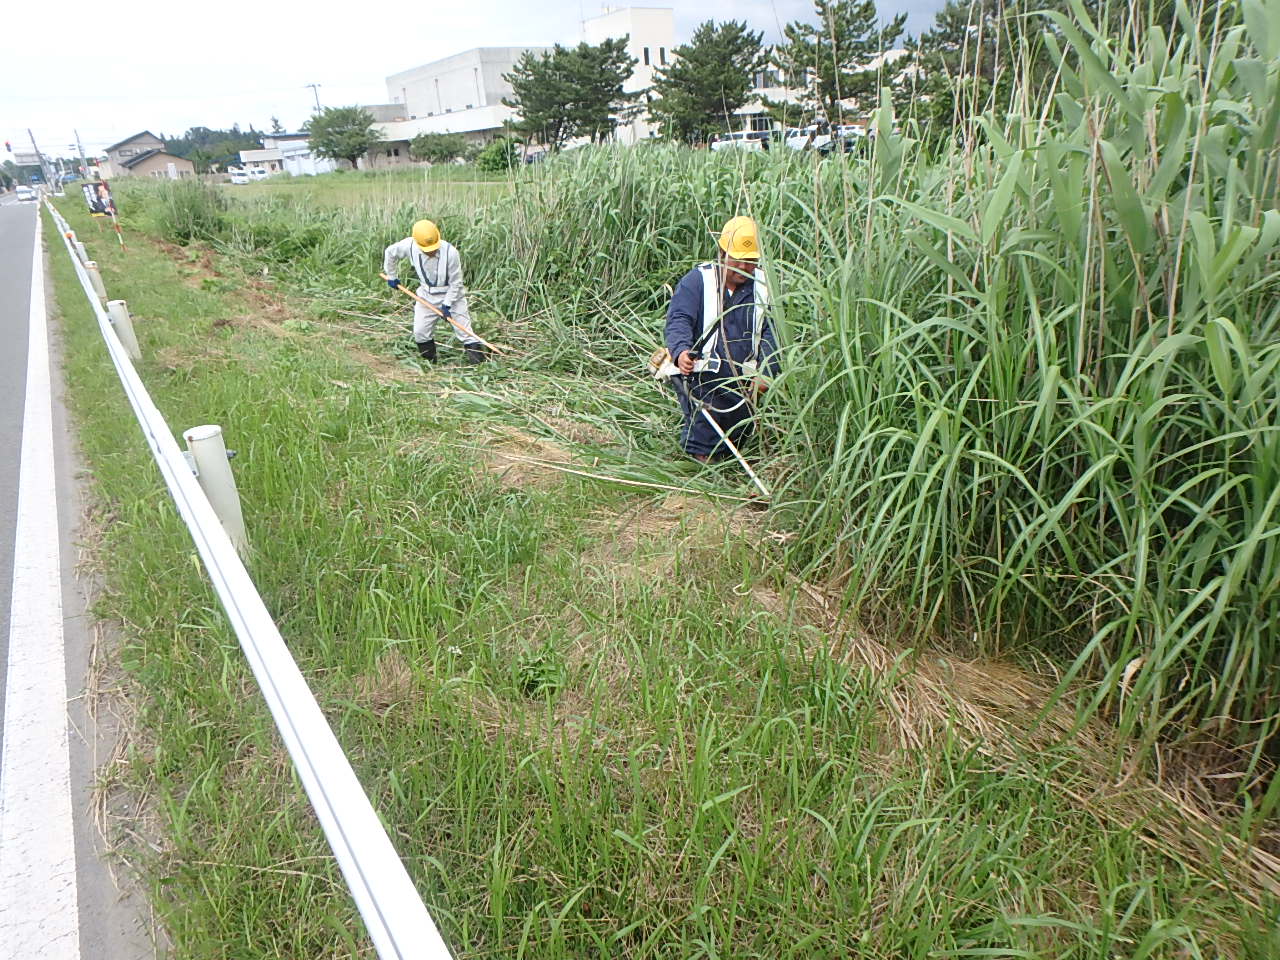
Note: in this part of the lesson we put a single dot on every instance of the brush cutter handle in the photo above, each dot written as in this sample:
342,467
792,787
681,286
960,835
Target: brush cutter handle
445,314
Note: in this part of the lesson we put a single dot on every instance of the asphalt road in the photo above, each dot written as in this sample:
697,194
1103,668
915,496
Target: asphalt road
17,231
45,913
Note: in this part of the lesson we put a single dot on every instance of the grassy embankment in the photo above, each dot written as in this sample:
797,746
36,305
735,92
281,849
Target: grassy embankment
591,736
596,722
1029,394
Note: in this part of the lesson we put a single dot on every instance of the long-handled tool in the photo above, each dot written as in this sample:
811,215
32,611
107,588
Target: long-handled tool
679,385
440,313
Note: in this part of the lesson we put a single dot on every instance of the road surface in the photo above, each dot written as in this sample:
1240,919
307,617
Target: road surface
57,898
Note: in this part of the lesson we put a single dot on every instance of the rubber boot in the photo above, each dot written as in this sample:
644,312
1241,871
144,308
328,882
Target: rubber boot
427,350
476,352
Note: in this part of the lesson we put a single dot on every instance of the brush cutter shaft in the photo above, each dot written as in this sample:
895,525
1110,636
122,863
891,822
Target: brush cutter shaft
440,313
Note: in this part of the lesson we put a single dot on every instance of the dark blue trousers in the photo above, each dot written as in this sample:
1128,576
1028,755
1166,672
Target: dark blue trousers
726,405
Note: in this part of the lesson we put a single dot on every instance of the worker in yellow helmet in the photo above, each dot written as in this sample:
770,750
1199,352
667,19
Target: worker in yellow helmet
439,270
721,343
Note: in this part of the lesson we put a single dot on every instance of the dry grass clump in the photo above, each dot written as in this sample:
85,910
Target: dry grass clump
521,460
389,683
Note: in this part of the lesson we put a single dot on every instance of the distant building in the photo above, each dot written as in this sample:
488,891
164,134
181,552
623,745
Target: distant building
651,33
150,163
293,153
458,94
270,159
132,147
144,155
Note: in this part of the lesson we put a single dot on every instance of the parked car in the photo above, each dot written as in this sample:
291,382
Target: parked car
841,145
239,176
811,137
26,193
259,173
742,139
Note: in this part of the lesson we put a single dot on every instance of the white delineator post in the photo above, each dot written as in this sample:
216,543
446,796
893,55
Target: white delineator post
118,310
213,471
95,278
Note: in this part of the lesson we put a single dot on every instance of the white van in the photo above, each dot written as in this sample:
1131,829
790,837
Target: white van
740,140
26,194
239,176
807,138
259,173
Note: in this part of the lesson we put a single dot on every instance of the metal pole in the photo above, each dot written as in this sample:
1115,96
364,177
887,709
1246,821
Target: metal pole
315,88
44,167
209,460
83,160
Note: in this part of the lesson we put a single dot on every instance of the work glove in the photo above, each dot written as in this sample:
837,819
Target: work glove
445,311
393,284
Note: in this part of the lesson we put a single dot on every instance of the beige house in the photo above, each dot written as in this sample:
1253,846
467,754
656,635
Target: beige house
143,155
157,163
134,146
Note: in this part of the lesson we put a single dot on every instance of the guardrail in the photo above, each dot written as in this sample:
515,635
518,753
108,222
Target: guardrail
397,921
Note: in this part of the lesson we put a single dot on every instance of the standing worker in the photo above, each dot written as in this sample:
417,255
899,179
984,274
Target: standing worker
439,270
720,341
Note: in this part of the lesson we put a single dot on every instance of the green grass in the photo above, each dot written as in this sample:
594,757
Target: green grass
589,733
1027,416
450,188
1029,398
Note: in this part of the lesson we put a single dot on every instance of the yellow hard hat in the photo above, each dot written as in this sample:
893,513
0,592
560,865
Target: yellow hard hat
738,239
426,235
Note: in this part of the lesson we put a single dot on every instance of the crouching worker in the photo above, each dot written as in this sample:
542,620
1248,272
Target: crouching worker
439,270
721,343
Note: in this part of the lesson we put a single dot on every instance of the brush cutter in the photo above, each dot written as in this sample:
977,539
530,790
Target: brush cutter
678,384
440,313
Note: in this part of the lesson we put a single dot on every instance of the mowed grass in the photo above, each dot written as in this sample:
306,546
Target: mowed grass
597,720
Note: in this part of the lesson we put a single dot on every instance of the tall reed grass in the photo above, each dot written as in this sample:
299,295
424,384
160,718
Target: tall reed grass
1030,385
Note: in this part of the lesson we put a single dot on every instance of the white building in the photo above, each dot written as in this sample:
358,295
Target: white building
463,93
459,94
651,32
292,153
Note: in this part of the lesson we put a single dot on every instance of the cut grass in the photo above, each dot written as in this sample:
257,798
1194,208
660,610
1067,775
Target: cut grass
598,722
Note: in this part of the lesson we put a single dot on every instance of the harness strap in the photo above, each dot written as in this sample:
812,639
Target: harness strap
712,308
420,262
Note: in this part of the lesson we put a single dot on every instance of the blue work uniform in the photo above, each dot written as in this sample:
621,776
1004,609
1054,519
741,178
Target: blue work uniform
745,336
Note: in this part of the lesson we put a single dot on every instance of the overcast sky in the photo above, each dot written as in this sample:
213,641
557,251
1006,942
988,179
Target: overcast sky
111,71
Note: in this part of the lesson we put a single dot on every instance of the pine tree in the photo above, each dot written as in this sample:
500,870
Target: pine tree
708,81
839,58
570,92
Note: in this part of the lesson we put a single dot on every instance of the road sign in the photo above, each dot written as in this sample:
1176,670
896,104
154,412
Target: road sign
26,159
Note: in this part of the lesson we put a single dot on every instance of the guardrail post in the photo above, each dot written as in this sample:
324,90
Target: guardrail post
81,251
118,310
95,278
209,455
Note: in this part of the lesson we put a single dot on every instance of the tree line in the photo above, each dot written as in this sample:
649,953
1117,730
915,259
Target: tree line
976,55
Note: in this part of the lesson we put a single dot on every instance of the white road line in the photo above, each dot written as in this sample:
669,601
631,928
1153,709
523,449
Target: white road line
39,912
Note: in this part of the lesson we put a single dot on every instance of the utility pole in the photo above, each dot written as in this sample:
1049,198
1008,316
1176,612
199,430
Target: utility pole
315,88
83,162
44,167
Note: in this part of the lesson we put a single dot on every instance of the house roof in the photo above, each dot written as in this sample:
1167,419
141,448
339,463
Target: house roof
144,133
134,161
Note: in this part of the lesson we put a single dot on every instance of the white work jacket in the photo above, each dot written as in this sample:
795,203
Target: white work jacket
439,276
